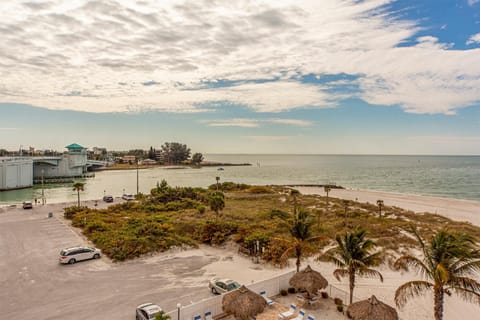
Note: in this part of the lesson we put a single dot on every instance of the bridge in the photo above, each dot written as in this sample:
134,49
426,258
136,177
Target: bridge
95,164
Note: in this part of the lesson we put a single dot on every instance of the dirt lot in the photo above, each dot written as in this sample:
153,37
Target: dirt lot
33,285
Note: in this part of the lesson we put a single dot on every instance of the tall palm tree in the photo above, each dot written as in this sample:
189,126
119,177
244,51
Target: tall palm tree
327,190
380,205
294,193
217,203
353,255
301,241
78,186
449,261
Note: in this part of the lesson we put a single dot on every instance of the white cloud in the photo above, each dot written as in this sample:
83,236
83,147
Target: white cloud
253,123
124,56
472,2
243,123
474,39
294,122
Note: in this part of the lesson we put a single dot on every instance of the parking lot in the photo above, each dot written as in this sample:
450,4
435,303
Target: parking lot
33,285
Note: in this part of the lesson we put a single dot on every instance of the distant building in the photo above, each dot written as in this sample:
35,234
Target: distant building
128,159
99,151
16,173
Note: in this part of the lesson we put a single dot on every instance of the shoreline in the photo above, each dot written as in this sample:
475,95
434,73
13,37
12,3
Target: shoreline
206,164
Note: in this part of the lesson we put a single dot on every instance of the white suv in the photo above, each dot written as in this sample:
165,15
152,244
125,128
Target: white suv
74,254
147,311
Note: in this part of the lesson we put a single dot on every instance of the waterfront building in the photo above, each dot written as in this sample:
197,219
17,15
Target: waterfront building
72,163
16,173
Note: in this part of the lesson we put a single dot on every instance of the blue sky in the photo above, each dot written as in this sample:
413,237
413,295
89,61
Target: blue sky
330,76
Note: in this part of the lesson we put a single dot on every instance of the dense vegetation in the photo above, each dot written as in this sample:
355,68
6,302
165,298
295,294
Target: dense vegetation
258,218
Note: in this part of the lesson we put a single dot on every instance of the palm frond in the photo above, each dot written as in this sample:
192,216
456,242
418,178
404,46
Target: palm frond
370,273
406,262
409,290
340,273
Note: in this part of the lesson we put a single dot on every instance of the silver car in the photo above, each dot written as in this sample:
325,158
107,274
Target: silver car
147,311
219,286
75,254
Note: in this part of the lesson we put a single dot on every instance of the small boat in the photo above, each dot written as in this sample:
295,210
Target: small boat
220,169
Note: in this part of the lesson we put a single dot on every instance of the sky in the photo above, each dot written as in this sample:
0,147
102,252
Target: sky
283,76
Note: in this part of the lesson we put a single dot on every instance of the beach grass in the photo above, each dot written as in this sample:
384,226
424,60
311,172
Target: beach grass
251,213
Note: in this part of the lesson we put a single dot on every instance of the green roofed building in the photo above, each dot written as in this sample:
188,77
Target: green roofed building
74,147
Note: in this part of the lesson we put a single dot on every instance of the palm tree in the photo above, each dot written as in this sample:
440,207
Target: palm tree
353,256
217,203
300,230
78,186
449,261
294,193
327,190
380,205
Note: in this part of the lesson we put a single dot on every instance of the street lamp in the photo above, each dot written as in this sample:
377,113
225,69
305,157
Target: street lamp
137,177
178,310
43,192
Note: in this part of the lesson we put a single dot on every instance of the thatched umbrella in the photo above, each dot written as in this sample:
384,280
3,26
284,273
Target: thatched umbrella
308,279
243,303
371,309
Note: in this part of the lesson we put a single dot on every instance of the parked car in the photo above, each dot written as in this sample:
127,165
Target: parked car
27,205
219,286
128,197
75,254
108,198
147,311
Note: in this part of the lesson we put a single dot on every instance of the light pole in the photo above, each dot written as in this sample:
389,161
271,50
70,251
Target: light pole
137,177
43,192
218,179
178,310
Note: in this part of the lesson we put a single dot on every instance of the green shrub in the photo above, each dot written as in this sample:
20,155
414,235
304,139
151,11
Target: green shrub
283,292
340,308
71,211
216,232
338,301
201,209
324,295
291,290
259,189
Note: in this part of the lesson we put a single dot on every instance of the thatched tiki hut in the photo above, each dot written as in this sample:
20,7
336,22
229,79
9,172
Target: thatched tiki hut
309,280
243,303
371,309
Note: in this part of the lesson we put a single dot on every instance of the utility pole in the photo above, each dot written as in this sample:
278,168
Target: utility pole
43,192
137,177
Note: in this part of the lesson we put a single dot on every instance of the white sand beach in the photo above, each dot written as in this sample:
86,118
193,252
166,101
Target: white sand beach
455,209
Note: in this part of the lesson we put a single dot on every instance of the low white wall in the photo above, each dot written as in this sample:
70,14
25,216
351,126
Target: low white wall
214,305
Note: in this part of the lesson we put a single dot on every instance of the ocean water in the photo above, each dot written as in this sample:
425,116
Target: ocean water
444,176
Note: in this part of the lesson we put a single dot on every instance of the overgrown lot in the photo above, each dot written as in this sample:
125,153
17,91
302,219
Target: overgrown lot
169,217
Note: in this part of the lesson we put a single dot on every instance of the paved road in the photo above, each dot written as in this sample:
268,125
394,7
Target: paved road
33,285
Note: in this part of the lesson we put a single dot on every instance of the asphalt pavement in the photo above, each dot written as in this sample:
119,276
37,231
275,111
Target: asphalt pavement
33,285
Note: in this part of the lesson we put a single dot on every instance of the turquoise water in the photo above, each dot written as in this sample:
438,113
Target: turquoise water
444,176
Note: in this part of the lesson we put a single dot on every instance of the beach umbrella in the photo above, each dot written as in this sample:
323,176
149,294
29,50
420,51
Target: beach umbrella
243,303
309,280
371,309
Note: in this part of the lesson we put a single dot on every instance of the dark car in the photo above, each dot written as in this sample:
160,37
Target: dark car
27,205
108,198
